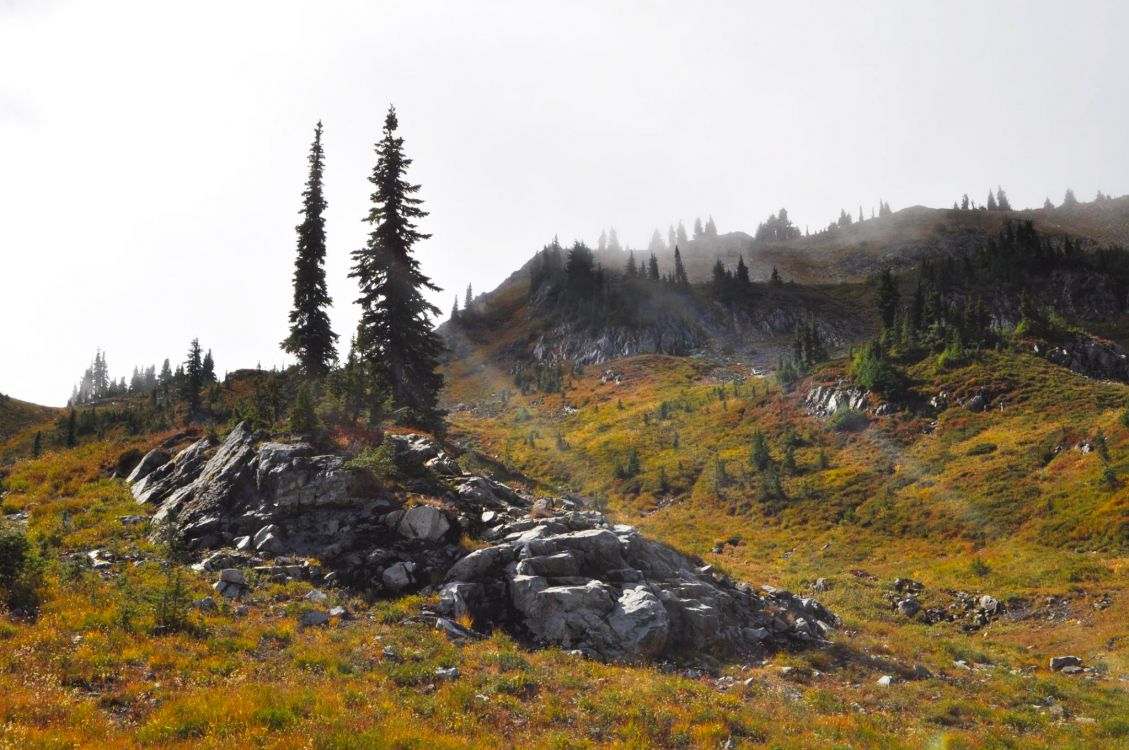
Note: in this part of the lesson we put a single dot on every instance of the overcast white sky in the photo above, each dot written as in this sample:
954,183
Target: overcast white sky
152,154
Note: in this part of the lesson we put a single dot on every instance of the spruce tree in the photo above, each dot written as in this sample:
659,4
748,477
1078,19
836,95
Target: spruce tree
711,228
397,344
469,294
887,298
311,338
991,201
698,231
208,369
680,235
671,238
193,379
653,267
631,269
72,429
680,277
742,272
1001,199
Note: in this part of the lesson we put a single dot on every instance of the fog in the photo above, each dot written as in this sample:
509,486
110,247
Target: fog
152,155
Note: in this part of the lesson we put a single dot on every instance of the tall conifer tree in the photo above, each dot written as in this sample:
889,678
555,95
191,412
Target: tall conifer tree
395,338
193,377
311,338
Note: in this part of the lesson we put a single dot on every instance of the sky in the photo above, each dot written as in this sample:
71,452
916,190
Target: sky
153,155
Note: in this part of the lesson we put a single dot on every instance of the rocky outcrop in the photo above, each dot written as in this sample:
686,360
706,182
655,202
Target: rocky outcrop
1088,356
825,400
272,499
577,581
552,573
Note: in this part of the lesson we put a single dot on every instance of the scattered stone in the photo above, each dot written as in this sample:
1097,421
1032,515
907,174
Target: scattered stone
207,604
132,520
339,612
908,586
450,673
908,607
313,618
1058,663
390,653
542,508
398,577
233,575
886,680
821,585
316,597
423,522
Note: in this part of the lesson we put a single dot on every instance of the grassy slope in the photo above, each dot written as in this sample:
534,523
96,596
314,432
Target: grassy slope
19,421
89,672
891,501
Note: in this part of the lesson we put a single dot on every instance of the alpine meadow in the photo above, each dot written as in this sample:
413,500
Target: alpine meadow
678,467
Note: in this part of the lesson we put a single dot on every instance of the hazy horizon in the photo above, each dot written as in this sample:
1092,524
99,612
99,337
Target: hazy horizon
153,158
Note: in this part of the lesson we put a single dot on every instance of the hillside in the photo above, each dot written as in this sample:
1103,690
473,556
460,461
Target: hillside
19,420
662,514
853,253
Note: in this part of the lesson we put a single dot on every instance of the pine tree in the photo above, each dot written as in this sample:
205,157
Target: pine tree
680,277
602,243
653,267
631,269
671,238
72,429
992,201
311,338
303,418
742,272
397,344
1069,200
698,228
775,279
469,294
455,309
1047,205
711,228
656,245
613,240
193,379
1001,199
208,369
680,235
887,298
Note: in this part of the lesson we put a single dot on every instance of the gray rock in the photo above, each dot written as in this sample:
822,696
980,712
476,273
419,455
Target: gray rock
640,622
398,577
207,604
269,539
233,575
149,462
579,582
824,401
448,673
313,618
444,465
1058,663
424,522
317,597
